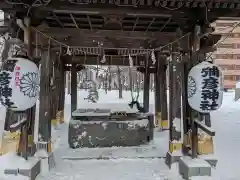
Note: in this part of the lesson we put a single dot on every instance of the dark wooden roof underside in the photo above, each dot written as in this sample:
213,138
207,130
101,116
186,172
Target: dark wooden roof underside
101,22
136,15
122,23
129,15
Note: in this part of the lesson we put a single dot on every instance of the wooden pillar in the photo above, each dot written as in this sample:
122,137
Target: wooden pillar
45,103
163,93
157,83
26,144
120,88
175,143
73,88
61,100
185,105
30,112
55,89
146,85
195,44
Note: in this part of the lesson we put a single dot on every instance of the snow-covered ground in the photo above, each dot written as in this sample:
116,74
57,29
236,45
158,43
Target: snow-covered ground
226,122
126,164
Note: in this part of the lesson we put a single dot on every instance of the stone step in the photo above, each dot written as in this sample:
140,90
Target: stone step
189,167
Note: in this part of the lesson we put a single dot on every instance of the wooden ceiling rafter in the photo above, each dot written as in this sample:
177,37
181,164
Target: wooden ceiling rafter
96,14
89,22
74,21
135,23
168,21
150,23
57,19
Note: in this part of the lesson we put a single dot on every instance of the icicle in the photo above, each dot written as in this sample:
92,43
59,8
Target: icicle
130,61
103,60
69,51
153,57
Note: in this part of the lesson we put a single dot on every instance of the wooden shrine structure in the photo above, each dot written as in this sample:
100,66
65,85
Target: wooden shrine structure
63,35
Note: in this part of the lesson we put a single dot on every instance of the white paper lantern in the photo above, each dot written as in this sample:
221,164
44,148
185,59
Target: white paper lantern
205,87
19,83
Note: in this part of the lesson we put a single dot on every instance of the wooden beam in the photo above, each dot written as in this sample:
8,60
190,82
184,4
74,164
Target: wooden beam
98,20
161,6
105,9
87,38
118,34
73,87
169,28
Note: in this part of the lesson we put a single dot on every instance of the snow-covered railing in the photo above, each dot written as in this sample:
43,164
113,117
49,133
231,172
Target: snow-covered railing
204,128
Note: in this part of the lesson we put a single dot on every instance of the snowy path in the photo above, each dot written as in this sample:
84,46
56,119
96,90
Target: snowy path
225,121
131,163
114,169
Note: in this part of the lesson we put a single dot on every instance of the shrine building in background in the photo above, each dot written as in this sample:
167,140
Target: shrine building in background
227,55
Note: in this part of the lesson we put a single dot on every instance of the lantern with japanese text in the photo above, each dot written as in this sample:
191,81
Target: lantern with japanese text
205,87
19,83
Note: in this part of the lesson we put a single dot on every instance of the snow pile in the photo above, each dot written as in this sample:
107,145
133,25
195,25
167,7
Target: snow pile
13,177
56,137
109,100
202,178
12,161
41,153
119,169
195,162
